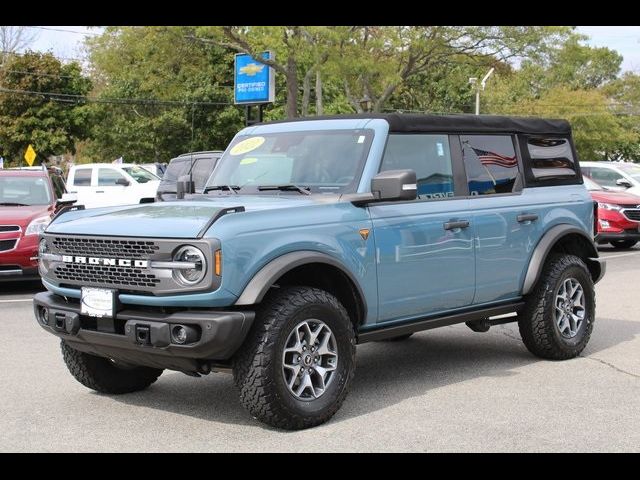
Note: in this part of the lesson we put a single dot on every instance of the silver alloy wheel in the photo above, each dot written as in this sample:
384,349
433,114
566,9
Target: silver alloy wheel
569,308
309,359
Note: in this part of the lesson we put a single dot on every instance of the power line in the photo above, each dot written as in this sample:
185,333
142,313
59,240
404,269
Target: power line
17,54
39,74
134,101
64,30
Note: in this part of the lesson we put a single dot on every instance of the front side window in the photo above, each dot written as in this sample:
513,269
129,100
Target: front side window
490,162
58,185
140,174
428,156
17,191
82,177
605,176
322,161
108,177
201,172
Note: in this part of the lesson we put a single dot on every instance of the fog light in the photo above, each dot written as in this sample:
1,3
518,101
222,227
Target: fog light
603,223
182,334
43,315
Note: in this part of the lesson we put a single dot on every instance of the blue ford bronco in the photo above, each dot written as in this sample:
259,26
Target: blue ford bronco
315,235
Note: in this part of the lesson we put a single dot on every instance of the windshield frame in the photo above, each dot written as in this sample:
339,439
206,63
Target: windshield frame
47,187
253,188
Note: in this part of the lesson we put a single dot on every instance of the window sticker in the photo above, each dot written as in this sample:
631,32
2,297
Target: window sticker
361,139
440,148
248,160
247,145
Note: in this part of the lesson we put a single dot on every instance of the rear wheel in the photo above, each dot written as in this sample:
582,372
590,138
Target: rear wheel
623,243
105,376
558,317
296,365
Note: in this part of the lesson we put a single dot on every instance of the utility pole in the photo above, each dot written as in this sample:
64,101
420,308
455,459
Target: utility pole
481,85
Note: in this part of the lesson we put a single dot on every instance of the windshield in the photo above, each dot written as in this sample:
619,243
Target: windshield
24,191
140,175
322,161
631,169
590,184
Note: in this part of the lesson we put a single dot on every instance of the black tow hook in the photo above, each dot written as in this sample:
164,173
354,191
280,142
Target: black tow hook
143,335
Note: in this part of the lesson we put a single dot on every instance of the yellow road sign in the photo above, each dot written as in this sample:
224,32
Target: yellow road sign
30,155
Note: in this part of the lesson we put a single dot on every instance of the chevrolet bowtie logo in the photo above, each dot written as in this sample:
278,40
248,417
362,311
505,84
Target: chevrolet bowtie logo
251,69
106,262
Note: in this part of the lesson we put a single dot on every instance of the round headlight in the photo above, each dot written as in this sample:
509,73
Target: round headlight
43,265
189,254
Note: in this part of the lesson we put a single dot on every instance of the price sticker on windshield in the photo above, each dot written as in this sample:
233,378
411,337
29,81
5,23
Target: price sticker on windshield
246,146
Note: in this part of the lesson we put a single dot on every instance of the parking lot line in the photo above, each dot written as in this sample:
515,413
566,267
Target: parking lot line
620,255
17,300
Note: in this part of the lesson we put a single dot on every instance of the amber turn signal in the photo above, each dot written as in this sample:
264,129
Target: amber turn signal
218,262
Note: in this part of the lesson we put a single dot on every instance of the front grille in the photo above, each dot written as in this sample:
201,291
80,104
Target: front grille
99,247
7,244
108,276
632,214
9,228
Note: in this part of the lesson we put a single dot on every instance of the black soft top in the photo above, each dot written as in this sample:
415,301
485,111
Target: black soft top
461,123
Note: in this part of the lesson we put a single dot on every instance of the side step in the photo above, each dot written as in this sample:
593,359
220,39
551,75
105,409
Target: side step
474,316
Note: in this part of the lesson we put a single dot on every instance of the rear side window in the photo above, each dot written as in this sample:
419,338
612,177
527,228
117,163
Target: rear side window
428,156
551,158
490,163
176,169
82,177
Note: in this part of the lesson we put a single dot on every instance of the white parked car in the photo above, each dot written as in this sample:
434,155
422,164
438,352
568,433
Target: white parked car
614,175
106,184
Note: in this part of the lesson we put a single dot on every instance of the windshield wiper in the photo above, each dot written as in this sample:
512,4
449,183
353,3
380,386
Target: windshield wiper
11,204
286,188
231,188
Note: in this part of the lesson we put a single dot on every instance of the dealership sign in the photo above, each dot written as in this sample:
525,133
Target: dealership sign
254,82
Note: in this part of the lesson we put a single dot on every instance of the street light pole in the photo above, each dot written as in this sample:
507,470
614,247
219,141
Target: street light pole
481,85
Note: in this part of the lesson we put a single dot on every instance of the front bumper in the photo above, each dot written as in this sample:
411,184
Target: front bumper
21,262
220,333
12,273
604,237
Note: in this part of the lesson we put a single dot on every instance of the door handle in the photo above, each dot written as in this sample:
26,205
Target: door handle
456,224
527,217
99,191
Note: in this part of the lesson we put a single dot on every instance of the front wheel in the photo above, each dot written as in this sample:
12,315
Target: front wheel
623,243
558,317
296,365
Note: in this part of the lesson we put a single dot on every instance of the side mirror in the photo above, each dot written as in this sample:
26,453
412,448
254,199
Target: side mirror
184,185
394,185
623,182
66,200
123,181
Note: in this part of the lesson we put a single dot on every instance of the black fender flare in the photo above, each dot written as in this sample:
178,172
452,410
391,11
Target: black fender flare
597,266
264,279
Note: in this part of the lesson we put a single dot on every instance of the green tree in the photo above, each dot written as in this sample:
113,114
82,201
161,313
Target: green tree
39,105
172,94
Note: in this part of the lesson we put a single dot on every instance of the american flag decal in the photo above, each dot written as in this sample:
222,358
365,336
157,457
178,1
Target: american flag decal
492,158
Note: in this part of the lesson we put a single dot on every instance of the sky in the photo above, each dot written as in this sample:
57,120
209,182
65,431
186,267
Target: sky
68,44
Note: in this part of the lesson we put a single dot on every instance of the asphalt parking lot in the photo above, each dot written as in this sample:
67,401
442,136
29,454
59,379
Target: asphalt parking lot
443,390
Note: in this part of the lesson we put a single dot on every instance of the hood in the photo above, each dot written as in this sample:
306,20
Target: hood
616,198
179,219
22,215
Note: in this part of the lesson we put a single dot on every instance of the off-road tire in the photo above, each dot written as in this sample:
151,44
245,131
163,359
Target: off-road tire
257,366
102,375
537,323
399,338
623,243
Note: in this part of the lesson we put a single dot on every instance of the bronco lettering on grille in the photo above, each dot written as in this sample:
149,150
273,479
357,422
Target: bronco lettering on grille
108,262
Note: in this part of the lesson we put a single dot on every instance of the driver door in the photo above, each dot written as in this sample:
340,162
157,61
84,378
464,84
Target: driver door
107,191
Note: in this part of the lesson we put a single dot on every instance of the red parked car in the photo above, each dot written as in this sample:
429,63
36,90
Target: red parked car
618,215
27,203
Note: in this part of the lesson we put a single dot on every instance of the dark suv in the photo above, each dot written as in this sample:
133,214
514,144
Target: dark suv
198,165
